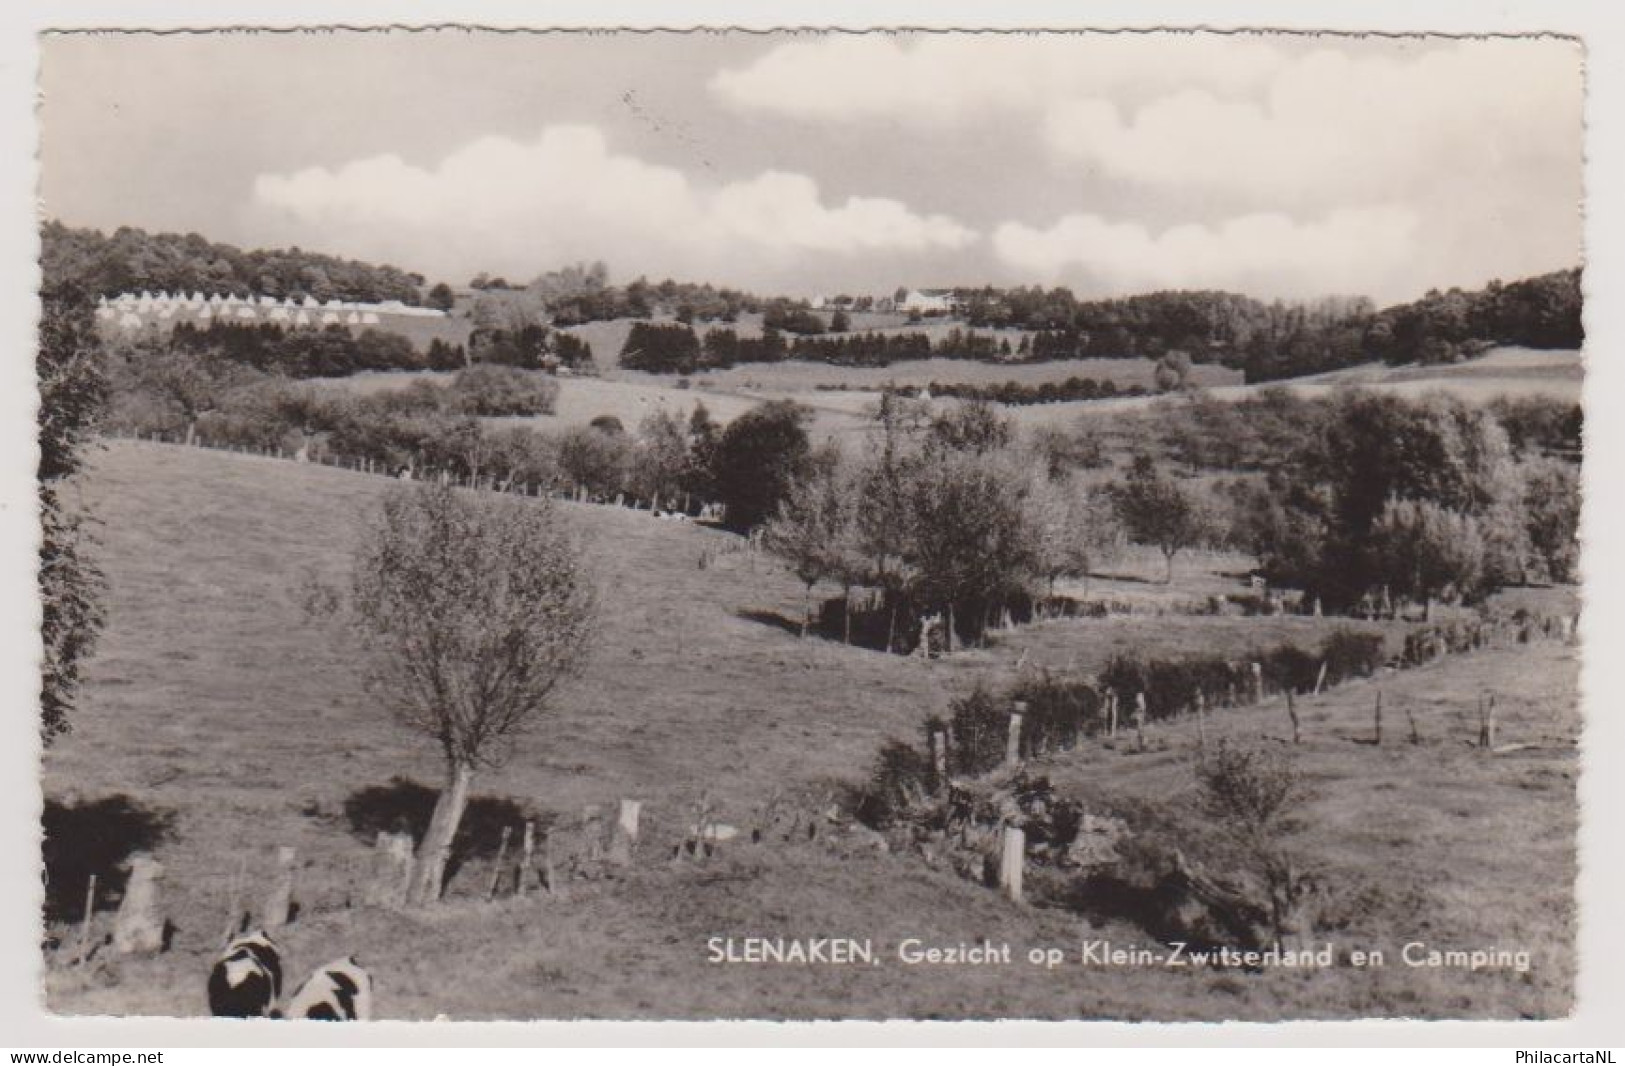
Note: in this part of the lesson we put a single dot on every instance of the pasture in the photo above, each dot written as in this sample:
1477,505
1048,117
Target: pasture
1557,375
235,724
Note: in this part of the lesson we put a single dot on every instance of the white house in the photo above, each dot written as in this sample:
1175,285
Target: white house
926,301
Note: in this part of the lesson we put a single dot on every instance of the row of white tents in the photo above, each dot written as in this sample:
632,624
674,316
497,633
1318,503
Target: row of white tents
134,311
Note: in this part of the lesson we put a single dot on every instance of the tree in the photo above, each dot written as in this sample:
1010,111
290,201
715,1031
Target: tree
1427,551
660,458
441,297
475,610
840,322
757,458
73,393
594,459
187,383
967,541
1157,510
972,425
1074,530
1552,510
1172,371
807,531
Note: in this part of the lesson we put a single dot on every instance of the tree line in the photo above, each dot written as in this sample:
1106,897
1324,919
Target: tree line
1277,340
133,260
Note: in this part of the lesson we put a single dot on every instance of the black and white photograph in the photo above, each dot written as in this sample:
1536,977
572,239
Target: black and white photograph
812,524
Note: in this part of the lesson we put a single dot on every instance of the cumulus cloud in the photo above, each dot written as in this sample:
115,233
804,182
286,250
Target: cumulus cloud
1348,251
1333,127
514,206
943,78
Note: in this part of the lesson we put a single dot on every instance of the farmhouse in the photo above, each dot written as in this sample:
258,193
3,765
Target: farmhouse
929,301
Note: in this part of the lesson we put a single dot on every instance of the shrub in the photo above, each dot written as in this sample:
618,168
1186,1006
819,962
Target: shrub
1060,712
487,390
1350,653
981,729
1248,789
1170,686
901,777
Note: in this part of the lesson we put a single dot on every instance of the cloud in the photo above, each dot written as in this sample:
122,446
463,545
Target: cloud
941,79
518,207
1346,252
1334,127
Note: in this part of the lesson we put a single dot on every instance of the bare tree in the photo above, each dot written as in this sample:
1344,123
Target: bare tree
476,608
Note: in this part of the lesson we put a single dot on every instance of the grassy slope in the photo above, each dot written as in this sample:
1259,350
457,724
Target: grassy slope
213,698
1499,372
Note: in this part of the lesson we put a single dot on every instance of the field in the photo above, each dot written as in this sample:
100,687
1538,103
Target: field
231,724
1558,375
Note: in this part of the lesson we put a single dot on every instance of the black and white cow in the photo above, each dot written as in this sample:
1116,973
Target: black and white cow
341,991
246,980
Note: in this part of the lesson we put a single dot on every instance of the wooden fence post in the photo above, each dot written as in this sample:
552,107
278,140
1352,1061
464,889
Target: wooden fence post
1012,745
625,839
279,902
1111,709
84,926
139,926
1486,722
527,856
939,760
1376,731
392,859
549,869
1258,682
1139,719
1292,713
1011,860
1320,679
496,867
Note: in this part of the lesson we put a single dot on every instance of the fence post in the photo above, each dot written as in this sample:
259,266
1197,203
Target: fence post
139,926
1377,723
1320,678
1011,860
939,760
527,855
84,926
1292,713
279,903
625,838
1139,719
1258,682
496,868
1111,713
1416,737
549,873
1012,746
1486,722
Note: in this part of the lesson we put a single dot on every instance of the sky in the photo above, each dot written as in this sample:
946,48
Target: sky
1281,166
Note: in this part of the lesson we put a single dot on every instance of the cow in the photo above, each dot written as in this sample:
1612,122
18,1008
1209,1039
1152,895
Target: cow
341,991
246,980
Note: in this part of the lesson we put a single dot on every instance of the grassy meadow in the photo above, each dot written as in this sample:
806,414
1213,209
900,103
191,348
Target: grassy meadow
231,723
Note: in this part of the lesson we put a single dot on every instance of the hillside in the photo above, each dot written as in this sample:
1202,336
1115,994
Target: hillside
216,704
1514,372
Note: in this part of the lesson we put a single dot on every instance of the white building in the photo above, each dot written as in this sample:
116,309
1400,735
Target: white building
927,301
